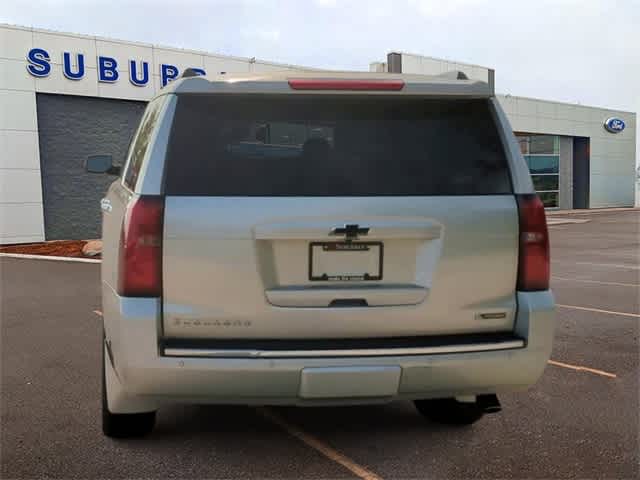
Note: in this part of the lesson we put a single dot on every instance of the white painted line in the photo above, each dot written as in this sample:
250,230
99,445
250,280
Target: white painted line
565,221
583,369
51,258
610,265
597,310
636,285
631,258
316,444
595,264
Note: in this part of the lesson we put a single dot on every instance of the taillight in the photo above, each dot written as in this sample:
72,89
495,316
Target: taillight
140,268
345,84
533,264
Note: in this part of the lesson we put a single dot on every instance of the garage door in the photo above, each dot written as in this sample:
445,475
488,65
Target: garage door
70,129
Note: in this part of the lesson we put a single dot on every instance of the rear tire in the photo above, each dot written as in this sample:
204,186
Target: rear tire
123,425
449,411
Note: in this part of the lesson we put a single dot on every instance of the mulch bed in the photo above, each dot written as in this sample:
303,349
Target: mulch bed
58,248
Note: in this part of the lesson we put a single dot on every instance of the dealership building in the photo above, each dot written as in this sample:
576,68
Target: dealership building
64,97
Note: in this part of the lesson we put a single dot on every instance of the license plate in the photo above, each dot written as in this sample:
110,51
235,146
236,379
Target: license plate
345,261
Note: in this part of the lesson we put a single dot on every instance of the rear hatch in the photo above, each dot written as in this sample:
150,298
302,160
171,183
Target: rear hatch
336,216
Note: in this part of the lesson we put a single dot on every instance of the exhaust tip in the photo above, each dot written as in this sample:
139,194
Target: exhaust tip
495,409
489,403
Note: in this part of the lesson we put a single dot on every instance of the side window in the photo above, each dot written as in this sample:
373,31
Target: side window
141,141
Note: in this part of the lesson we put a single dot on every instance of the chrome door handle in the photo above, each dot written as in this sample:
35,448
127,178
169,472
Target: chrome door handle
105,205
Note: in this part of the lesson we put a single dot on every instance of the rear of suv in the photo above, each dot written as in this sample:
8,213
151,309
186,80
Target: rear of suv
323,239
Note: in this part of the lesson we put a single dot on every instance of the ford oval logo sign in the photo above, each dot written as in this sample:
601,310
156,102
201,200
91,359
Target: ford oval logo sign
614,125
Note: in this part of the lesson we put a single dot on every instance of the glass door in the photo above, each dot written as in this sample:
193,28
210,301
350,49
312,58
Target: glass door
542,154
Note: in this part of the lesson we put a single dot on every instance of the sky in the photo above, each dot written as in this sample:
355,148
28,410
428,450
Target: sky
581,51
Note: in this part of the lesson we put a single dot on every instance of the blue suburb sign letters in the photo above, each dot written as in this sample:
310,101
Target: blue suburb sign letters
73,68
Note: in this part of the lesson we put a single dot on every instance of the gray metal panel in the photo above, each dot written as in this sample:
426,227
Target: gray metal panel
491,80
70,129
580,170
394,62
566,173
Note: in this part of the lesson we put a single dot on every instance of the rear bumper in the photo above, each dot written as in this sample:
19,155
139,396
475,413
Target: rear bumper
141,372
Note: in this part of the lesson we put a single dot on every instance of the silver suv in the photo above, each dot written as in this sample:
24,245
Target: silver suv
322,239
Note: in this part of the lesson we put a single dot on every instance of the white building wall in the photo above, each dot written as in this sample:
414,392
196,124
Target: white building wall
612,156
21,213
21,218
423,65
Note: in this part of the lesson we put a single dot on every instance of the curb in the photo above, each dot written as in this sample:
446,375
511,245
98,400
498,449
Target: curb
50,258
589,211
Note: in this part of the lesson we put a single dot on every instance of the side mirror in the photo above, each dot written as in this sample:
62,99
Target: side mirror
101,164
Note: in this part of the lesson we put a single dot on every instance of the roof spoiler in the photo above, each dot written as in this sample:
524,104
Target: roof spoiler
454,75
460,75
190,72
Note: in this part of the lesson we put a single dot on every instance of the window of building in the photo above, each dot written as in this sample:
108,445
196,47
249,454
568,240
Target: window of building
542,154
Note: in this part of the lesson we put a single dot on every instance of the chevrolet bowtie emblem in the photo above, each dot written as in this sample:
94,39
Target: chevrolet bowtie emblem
350,231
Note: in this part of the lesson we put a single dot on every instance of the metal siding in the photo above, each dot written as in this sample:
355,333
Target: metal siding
581,172
394,62
71,128
565,184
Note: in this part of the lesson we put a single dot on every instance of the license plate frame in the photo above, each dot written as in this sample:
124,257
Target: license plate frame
341,247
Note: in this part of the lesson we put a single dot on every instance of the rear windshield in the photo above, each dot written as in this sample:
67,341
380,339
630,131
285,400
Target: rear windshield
333,146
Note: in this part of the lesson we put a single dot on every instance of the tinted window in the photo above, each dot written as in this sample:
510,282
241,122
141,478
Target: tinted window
334,146
140,142
539,144
545,182
543,163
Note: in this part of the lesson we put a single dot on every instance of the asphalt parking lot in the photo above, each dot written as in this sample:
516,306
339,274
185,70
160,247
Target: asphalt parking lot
574,423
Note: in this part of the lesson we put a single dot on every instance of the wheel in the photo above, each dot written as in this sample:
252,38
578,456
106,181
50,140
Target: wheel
449,411
123,425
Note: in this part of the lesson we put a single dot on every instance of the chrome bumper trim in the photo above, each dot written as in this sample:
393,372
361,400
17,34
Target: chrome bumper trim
363,352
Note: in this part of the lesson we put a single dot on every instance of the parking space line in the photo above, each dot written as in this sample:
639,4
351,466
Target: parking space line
597,310
583,369
614,254
597,281
609,265
50,258
317,445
